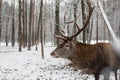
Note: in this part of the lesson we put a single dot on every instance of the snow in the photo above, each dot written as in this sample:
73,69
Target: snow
28,65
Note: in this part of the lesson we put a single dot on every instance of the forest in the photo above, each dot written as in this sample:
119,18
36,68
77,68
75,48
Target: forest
31,25
29,22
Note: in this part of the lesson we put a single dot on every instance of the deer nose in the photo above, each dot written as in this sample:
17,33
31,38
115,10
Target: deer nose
53,53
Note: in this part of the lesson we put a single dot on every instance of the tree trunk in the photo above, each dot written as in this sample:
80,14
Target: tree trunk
20,28
83,19
33,22
13,24
30,26
75,12
44,23
97,26
6,31
41,37
51,40
40,24
0,18
91,30
57,21
24,26
38,31
26,21
104,27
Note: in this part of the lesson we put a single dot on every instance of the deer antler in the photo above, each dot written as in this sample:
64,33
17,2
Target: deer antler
73,20
68,22
60,37
87,21
63,37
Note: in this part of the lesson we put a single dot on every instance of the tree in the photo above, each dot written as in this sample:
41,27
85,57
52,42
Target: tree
6,31
33,22
20,28
40,25
0,18
91,30
41,37
30,26
13,24
75,17
57,20
97,19
24,24
83,19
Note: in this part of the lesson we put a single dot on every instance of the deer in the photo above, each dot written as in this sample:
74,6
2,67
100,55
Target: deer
90,58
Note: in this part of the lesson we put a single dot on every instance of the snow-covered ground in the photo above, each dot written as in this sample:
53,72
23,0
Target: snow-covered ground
28,65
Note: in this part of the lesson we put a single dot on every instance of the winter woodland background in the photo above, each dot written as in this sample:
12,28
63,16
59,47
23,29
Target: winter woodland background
27,28
27,21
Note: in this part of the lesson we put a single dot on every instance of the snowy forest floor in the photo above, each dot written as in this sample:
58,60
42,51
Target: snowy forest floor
28,65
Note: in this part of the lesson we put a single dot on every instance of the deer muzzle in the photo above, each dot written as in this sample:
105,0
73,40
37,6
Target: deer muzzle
54,55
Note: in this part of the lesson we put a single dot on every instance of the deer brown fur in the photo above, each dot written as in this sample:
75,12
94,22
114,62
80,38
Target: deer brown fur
91,59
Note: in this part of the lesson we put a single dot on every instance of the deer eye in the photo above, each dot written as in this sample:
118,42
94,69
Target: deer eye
67,45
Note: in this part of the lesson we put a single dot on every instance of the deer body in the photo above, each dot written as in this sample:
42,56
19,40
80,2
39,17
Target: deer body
91,59
88,56
94,56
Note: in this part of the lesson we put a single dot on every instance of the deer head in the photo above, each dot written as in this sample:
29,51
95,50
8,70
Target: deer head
68,45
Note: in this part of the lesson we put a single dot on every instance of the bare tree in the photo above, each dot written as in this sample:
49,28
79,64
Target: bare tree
97,19
44,22
24,23
30,26
33,23
6,31
37,37
104,27
40,25
0,18
25,35
41,37
75,12
37,29
20,28
13,24
57,20
91,30
83,18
